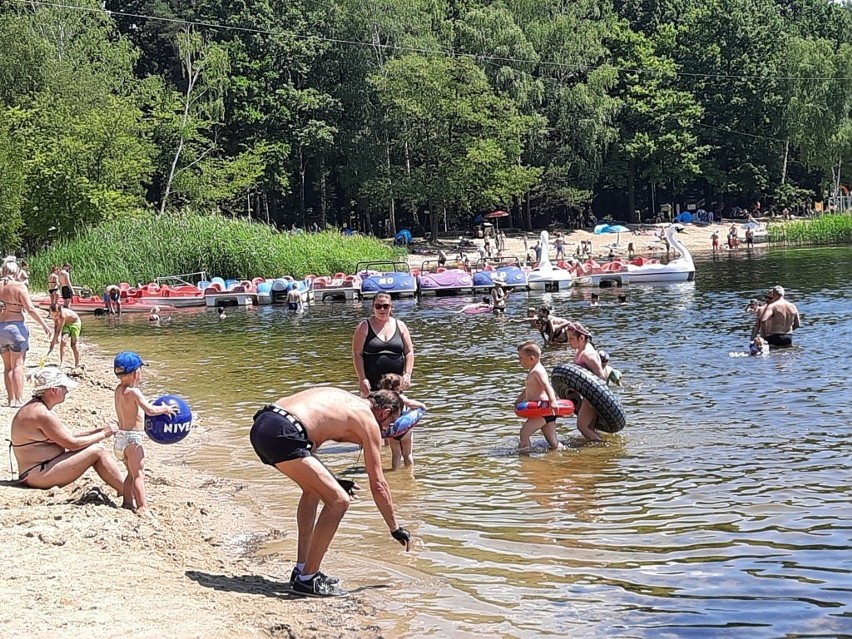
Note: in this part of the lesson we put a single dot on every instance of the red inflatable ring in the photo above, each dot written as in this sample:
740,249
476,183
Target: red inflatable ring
564,408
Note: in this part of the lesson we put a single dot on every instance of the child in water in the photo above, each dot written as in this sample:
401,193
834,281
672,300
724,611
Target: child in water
613,375
402,448
221,311
758,346
154,315
536,389
131,408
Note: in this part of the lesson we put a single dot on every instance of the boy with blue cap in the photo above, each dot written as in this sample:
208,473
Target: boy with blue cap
131,408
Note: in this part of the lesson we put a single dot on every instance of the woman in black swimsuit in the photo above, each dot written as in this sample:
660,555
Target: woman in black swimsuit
381,344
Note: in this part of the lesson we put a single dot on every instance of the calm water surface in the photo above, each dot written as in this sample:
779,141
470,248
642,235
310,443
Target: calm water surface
722,510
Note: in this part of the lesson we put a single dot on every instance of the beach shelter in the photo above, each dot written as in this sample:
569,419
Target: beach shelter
496,215
601,228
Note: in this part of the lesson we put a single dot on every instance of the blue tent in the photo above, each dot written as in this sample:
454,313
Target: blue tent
403,237
684,218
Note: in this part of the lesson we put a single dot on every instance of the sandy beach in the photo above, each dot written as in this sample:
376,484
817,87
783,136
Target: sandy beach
697,239
77,565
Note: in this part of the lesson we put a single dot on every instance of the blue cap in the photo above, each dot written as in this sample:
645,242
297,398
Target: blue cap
127,362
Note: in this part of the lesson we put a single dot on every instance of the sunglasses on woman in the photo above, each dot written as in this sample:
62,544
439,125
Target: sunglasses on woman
382,307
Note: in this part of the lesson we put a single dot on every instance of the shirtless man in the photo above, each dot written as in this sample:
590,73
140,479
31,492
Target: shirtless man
285,435
65,285
294,300
47,452
14,334
776,322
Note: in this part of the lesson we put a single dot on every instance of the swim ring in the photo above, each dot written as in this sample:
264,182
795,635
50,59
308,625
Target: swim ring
404,423
564,408
570,377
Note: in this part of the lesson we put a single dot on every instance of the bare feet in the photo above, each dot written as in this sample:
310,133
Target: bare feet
127,505
558,446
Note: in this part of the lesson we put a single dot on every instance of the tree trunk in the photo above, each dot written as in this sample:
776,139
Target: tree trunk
323,194
631,195
391,203
527,216
301,187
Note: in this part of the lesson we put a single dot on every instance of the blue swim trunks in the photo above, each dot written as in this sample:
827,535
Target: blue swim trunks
14,336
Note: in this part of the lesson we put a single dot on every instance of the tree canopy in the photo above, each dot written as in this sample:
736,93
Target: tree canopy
416,113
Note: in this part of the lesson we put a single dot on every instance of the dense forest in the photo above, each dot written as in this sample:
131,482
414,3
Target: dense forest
379,114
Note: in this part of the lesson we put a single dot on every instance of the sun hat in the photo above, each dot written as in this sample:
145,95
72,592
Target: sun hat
46,378
127,362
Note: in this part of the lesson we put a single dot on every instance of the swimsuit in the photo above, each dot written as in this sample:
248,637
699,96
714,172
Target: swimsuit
124,438
278,436
14,337
293,306
382,357
22,477
781,340
73,329
67,293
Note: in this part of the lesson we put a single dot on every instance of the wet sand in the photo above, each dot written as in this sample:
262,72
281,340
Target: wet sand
77,565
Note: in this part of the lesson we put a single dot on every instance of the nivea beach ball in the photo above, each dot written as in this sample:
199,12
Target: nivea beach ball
164,429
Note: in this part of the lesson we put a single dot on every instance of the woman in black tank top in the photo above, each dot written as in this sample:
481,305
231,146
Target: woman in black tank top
381,344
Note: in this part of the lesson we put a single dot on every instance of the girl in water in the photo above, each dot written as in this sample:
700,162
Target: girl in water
402,448
586,356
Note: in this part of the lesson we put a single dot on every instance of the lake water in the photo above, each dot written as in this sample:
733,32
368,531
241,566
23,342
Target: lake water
723,509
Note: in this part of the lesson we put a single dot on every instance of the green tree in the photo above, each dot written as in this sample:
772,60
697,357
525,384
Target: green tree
657,141
74,119
462,141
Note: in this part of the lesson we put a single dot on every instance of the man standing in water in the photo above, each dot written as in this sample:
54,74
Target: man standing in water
286,433
776,322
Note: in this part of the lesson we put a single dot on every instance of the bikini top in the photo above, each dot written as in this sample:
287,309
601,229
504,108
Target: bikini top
5,303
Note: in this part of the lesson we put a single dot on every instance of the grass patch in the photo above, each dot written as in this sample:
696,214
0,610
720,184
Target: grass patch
827,229
140,249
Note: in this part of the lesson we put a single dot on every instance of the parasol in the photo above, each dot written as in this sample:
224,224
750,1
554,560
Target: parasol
495,215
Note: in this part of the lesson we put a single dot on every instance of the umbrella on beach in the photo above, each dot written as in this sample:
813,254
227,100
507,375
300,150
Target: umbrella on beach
612,228
495,215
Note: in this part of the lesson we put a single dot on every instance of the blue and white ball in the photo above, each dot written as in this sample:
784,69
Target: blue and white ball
169,430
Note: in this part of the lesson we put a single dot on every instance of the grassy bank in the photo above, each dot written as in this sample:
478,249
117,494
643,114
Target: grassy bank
143,248
828,229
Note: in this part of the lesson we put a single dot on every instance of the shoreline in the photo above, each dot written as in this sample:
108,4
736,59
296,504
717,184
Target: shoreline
697,239
76,564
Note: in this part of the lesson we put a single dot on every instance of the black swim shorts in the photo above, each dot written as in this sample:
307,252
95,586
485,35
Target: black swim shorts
278,436
780,340
67,293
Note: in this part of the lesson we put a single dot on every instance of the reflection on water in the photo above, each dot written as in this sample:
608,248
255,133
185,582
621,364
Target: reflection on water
724,504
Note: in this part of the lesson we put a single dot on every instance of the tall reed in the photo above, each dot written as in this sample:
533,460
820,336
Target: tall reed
142,248
827,229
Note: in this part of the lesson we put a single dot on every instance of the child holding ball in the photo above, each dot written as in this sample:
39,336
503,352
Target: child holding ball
131,408
403,447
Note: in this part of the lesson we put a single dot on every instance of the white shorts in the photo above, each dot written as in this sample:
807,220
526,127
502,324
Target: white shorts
124,438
